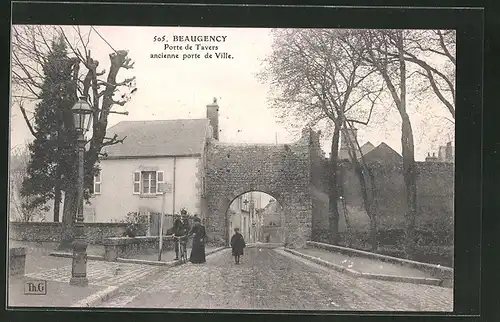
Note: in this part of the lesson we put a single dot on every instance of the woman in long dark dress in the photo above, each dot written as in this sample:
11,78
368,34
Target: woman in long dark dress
198,250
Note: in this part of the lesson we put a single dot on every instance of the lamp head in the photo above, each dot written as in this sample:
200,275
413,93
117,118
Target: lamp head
82,114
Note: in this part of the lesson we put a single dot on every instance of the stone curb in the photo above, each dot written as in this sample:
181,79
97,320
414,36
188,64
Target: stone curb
156,263
381,257
146,262
130,260
97,298
70,255
264,245
322,262
391,278
438,272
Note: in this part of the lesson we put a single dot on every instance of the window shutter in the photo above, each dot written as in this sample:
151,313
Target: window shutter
160,180
136,177
97,183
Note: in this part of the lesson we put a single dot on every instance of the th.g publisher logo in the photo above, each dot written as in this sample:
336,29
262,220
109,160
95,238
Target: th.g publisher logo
35,287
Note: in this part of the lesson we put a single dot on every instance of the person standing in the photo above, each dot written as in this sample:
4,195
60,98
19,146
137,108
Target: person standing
198,249
177,231
237,244
180,230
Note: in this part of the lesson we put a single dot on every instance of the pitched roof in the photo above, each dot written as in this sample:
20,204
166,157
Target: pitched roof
383,154
365,148
158,138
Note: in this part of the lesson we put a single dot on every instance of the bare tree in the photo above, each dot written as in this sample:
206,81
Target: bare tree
29,51
19,158
385,51
424,48
317,79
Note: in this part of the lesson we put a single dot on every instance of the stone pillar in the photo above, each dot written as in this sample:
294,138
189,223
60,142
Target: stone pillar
17,261
298,220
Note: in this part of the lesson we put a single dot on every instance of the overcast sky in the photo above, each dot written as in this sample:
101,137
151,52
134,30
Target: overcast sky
176,88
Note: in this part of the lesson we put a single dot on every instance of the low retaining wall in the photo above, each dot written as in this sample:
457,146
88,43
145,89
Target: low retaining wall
126,247
95,233
440,272
17,260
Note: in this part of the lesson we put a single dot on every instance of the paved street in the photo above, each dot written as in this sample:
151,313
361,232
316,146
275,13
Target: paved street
99,273
274,279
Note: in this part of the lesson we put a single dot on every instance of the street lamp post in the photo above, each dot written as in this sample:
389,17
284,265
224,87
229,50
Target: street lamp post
82,114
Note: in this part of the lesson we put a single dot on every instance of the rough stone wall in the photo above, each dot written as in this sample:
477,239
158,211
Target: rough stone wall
282,171
435,198
51,231
319,186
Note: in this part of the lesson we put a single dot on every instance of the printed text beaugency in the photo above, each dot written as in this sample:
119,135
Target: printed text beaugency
177,38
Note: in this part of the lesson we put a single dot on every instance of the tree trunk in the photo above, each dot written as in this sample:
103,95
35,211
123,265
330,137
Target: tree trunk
57,195
364,181
409,172
57,202
410,179
373,211
333,211
368,203
373,232
68,219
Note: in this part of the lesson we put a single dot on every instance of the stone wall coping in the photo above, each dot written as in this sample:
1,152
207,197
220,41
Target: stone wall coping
17,251
384,258
116,241
37,223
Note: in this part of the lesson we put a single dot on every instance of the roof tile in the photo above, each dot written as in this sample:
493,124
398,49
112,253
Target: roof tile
158,138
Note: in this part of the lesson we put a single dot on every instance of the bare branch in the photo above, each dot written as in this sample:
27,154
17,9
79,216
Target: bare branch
121,103
27,120
112,141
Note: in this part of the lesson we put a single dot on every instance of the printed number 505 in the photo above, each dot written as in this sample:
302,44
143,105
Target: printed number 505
157,38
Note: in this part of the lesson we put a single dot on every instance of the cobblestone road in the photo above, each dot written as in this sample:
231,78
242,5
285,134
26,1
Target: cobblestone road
274,279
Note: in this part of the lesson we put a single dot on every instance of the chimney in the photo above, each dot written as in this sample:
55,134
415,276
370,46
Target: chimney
448,152
352,133
345,145
213,117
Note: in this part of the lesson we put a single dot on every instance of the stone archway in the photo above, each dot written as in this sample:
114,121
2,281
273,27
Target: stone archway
233,196
282,171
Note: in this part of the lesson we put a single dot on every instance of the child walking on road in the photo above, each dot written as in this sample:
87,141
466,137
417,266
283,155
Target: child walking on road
237,244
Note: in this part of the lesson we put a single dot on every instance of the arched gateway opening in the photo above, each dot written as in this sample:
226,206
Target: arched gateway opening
259,216
279,170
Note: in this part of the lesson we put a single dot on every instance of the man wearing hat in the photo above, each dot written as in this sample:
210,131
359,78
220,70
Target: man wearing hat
181,228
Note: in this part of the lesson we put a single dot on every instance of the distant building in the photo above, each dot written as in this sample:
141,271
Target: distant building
432,158
382,153
239,217
272,225
445,154
243,214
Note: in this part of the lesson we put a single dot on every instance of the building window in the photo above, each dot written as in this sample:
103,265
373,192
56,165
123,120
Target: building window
97,183
148,182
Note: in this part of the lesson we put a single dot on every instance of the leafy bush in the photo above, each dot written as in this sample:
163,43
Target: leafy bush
137,224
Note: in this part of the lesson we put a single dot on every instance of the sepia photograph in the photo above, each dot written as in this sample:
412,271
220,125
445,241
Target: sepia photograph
231,168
